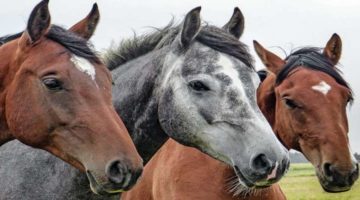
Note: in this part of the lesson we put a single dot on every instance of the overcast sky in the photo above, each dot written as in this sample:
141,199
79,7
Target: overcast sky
273,23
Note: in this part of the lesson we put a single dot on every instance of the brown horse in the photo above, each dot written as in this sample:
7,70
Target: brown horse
56,95
180,172
305,98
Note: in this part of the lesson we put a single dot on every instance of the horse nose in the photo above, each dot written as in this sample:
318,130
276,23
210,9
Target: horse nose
262,165
340,179
120,173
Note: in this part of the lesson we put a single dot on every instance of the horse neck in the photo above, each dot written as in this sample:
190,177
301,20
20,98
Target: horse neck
8,69
134,98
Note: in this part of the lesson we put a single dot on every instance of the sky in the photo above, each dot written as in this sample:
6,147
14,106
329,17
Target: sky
275,23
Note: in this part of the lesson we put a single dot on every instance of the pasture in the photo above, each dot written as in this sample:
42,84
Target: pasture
300,183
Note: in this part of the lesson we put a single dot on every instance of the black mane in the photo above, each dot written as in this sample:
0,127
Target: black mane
262,74
311,57
8,38
72,42
211,36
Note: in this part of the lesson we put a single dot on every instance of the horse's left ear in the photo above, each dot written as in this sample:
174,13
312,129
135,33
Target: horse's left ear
191,26
87,26
38,23
236,24
271,61
333,48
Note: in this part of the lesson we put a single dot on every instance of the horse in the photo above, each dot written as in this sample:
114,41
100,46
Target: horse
180,172
153,73
304,97
56,96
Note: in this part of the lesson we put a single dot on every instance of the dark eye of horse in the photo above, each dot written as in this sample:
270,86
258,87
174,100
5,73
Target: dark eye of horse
52,83
198,86
290,103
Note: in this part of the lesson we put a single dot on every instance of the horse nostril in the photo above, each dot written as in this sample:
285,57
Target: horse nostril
327,169
261,164
116,172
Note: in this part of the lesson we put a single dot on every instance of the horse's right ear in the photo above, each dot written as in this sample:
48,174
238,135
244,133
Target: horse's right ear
191,26
87,26
271,61
38,23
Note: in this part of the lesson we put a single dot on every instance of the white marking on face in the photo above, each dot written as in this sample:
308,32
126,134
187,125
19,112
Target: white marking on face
229,69
322,87
84,66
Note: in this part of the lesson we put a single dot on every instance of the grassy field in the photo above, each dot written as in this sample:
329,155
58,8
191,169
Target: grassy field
300,183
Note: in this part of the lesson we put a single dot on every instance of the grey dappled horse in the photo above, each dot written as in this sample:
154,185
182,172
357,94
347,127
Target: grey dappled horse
195,84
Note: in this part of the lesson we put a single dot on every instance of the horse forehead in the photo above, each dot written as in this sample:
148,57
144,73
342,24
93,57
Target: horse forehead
240,76
316,80
84,66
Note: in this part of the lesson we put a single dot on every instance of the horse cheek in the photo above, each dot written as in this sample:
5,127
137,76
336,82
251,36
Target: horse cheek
26,117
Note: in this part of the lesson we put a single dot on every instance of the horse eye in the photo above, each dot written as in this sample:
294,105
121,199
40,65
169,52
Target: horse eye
198,86
290,103
52,83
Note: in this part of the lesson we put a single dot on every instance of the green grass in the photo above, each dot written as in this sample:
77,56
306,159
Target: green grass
301,183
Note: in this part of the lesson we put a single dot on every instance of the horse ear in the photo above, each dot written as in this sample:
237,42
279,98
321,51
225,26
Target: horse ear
39,22
87,26
270,60
191,26
333,48
236,24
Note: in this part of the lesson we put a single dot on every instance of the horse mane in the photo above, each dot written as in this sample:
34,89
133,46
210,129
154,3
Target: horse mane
72,42
211,36
312,58
262,74
8,38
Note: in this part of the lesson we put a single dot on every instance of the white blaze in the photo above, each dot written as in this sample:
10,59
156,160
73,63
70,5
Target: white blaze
322,87
228,68
84,66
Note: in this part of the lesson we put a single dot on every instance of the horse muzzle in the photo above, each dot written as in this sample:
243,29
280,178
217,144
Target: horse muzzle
119,178
263,172
332,180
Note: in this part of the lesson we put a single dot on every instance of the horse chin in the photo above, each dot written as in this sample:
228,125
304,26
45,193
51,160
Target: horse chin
328,186
335,189
241,186
100,189
250,184
242,179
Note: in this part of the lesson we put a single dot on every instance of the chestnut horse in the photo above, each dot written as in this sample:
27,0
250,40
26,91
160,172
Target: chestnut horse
304,98
180,172
56,95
